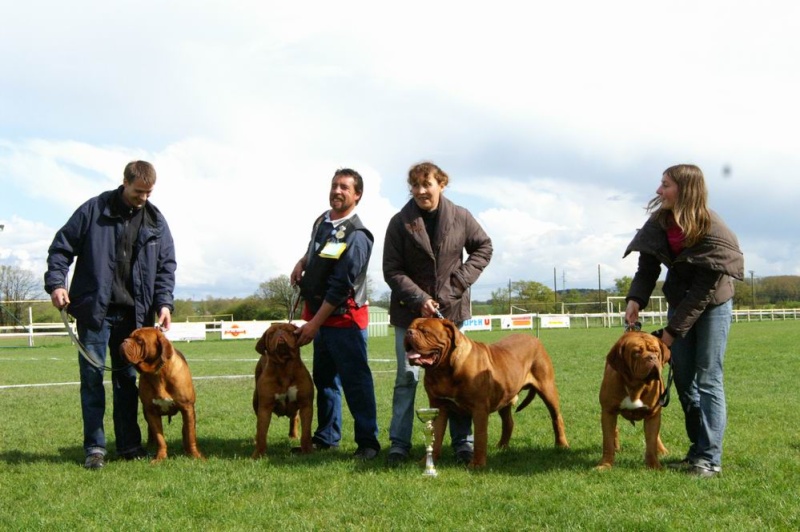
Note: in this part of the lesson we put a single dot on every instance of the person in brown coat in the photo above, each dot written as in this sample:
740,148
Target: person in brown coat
424,266
702,258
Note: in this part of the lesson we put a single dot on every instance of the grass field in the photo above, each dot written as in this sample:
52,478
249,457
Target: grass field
530,486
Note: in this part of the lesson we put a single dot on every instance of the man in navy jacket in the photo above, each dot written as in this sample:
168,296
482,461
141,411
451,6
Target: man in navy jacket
124,279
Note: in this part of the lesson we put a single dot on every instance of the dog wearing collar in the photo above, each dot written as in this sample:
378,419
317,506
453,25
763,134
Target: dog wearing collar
283,387
631,388
165,387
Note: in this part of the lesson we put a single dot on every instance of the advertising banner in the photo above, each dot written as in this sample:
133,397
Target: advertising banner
186,332
521,321
477,323
554,321
237,330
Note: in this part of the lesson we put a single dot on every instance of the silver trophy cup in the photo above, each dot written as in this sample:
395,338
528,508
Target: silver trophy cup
427,415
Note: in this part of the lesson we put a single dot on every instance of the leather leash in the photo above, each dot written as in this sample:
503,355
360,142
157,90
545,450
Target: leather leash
81,349
294,303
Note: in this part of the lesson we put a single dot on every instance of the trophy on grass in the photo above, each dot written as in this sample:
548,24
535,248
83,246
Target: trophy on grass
427,415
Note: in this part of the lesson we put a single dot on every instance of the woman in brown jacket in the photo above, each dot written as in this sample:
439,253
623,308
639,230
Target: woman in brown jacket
423,264
702,258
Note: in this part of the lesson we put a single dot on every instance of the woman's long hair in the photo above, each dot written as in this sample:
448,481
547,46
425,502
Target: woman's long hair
691,208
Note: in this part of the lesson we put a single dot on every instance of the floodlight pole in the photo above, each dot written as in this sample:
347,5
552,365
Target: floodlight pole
753,288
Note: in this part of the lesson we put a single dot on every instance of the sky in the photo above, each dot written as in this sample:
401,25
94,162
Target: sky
554,120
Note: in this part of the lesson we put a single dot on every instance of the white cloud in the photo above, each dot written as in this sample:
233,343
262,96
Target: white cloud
554,121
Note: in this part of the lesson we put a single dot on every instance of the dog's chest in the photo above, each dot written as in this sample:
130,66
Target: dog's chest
165,404
443,390
290,395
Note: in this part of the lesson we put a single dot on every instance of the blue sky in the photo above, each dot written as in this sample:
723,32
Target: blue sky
553,121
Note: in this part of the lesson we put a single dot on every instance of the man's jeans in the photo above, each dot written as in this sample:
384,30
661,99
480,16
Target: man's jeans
116,327
697,362
340,360
405,390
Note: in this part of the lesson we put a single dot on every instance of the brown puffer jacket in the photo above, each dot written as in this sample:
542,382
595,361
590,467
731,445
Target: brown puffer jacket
415,272
699,276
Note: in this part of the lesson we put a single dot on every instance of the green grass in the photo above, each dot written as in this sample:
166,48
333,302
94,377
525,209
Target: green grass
530,486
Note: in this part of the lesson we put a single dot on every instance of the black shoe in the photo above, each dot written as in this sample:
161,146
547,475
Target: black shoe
138,454
702,472
324,447
464,457
95,461
366,453
684,465
396,458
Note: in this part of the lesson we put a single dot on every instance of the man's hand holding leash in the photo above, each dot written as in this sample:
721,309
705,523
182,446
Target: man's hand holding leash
60,298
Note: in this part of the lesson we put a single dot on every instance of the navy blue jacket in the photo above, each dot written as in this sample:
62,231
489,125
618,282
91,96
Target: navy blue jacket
91,235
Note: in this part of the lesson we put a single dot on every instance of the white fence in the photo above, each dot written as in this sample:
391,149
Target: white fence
191,331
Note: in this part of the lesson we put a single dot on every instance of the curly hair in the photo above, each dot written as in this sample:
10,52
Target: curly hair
420,172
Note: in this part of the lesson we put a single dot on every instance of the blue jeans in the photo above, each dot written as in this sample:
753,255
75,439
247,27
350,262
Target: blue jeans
405,390
697,361
116,327
340,364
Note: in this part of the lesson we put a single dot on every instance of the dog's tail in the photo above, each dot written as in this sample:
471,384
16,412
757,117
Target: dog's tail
528,398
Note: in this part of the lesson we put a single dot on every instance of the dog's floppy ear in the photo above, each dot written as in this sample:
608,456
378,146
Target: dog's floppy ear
616,357
163,346
455,336
261,345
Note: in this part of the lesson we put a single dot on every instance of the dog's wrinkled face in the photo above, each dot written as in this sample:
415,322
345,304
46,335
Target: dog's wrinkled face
639,356
428,341
279,343
146,348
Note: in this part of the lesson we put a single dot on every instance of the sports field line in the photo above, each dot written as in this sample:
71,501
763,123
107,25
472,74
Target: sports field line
76,383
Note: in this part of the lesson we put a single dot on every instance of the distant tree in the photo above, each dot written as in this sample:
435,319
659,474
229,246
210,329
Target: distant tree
19,285
277,293
528,295
254,308
183,309
214,306
382,301
572,296
780,290
500,301
623,285
532,296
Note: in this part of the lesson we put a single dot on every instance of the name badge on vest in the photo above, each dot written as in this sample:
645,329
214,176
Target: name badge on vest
333,250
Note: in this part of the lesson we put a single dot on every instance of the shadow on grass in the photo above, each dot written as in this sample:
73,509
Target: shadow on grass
523,461
73,454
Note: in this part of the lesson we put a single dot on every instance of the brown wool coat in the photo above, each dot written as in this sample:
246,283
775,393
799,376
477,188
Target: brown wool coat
699,276
416,272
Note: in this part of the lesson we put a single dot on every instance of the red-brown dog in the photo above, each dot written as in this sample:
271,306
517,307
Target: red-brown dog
465,376
631,388
283,387
165,387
